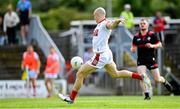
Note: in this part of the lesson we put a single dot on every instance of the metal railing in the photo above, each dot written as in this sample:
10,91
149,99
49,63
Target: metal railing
169,74
38,33
125,39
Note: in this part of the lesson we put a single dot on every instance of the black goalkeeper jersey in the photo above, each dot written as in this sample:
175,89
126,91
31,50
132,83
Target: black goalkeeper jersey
140,40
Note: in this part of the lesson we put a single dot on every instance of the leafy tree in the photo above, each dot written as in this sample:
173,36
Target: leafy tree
63,11
60,18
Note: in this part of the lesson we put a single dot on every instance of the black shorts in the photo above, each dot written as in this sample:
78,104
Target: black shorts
149,62
24,17
24,21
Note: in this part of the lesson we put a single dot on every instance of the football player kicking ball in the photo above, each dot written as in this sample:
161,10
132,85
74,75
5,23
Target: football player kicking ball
146,42
103,56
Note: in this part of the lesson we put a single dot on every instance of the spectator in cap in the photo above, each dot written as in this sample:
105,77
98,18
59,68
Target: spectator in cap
128,15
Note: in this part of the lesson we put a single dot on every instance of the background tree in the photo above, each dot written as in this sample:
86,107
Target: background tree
61,12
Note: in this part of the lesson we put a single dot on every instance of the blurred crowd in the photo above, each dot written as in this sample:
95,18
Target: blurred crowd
12,20
158,22
18,19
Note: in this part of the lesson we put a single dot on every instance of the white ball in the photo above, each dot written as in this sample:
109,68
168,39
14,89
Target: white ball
76,62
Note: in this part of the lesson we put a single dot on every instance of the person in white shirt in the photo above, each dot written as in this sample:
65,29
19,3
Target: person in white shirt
102,58
11,20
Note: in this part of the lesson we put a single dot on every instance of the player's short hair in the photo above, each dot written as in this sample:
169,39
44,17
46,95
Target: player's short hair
144,20
100,10
9,7
30,46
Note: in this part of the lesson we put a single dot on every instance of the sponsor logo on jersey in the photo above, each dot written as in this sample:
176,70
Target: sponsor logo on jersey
148,38
138,39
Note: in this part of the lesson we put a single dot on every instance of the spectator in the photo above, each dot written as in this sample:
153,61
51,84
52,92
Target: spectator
2,34
24,11
128,15
11,20
32,63
88,54
51,70
158,25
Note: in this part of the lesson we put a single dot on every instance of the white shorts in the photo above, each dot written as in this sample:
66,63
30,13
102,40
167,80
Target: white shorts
32,74
49,75
99,60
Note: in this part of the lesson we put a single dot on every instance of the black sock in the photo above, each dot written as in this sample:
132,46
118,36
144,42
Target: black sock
168,86
146,94
165,81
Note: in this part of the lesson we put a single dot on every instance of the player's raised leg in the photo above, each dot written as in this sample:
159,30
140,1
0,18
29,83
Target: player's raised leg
160,79
114,73
146,89
81,74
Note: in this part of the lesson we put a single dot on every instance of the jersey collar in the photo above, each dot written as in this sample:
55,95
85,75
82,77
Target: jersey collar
101,20
142,35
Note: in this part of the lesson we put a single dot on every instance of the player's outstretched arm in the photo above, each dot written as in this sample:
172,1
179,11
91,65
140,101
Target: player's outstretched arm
114,24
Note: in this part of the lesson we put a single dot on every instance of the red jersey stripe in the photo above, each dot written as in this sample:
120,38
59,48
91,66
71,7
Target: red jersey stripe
96,59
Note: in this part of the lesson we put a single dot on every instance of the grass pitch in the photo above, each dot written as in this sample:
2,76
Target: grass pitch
94,102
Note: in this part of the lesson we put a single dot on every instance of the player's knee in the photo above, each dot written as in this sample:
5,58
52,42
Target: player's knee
157,79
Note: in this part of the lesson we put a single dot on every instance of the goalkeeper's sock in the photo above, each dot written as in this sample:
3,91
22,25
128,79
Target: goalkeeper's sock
73,95
136,76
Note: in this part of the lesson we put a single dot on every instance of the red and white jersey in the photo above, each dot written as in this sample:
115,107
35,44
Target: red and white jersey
101,36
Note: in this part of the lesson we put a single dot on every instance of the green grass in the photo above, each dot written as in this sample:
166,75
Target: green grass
94,102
